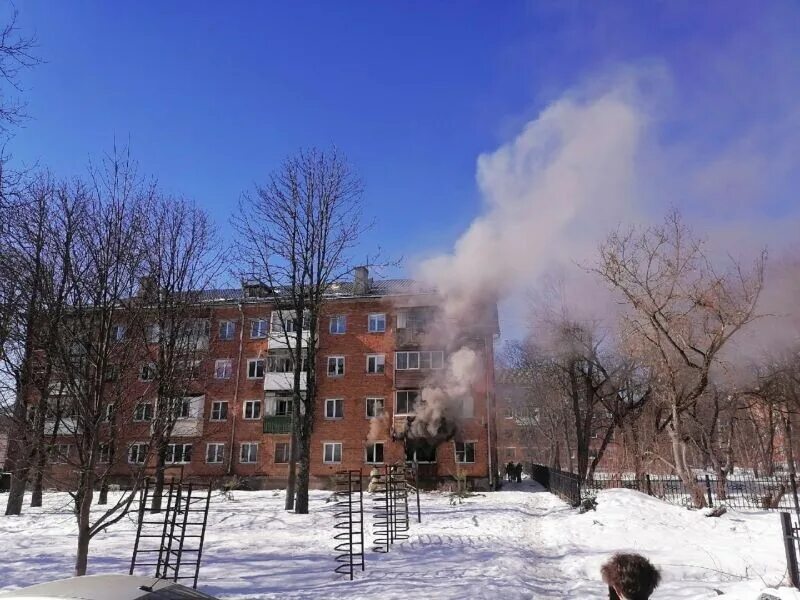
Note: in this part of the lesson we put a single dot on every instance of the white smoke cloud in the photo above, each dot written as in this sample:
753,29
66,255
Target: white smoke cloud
550,195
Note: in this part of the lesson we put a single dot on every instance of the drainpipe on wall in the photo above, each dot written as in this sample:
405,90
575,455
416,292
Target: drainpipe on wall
235,407
489,424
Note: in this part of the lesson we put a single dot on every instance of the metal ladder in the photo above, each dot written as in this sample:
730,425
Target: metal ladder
164,535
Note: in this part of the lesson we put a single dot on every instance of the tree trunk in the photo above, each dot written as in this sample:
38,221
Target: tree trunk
682,468
36,493
16,493
84,513
102,498
290,481
303,475
158,484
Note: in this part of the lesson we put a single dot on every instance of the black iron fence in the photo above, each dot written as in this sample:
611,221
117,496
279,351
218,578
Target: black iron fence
566,486
741,492
791,544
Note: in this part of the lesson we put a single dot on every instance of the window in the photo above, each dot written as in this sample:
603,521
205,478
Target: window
252,409
278,404
332,452
248,452
421,453
467,407
374,453
103,454
143,412
60,453
334,408
226,330
375,407
152,333
511,453
182,408
137,453
179,454
426,359
215,453
406,401
255,368
258,328
118,332
335,366
289,323
108,414
223,368
338,324
376,323
147,372
376,363
219,410
282,453
465,452
190,368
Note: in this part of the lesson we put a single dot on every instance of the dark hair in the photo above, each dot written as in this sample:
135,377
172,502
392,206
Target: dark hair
631,575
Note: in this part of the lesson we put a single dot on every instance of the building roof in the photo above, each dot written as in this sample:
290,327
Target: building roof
377,288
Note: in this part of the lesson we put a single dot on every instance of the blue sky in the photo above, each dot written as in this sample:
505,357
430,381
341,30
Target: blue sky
213,95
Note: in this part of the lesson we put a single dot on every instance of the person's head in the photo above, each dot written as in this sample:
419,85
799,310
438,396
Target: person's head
631,576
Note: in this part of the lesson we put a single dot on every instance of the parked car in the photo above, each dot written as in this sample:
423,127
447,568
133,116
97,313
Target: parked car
107,587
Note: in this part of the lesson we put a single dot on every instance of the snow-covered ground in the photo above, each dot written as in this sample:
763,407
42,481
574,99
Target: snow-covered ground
518,543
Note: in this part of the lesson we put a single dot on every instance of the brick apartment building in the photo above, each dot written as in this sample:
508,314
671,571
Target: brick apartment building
373,359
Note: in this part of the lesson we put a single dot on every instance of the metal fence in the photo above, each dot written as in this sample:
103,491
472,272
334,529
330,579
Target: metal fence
566,486
740,492
791,544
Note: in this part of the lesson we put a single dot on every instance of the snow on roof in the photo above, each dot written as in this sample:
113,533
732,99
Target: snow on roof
377,288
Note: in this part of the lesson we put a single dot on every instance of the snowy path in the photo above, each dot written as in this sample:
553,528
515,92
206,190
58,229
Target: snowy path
518,543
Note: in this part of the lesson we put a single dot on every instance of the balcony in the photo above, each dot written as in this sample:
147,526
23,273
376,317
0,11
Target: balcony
278,424
277,382
277,339
410,336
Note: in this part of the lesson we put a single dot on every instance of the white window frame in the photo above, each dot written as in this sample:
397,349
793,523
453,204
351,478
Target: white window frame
255,361
275,453
229,325
259,328
372,445
403,360
136,418
183,408
171,453
375,399
108,413
103,453
61,453
337,319
376,318
336,360
138,445
152,333
463,452
118,330
334,402
396,401
241,451
333,446
217,454
226,366
216,404
247,403
148,368
380,362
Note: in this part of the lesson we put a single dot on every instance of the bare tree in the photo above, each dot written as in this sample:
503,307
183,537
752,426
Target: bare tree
105,258
33,288
296,233
182,260
682,311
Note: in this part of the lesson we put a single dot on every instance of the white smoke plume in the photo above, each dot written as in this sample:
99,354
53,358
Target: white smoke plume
444,397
